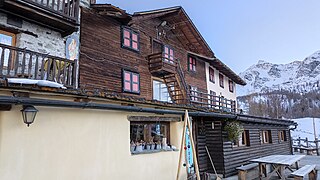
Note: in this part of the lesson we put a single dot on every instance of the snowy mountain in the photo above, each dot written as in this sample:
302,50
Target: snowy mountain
298,76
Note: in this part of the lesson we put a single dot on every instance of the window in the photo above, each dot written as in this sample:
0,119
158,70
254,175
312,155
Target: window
192,64
221,81
160,91
194,93
211,75
265,136
168,54
231,86
213,99
131,82
130,39
244,139
9,39
282,136
149,136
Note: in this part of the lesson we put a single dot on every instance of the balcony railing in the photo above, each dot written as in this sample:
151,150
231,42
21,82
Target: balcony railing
160,65
22,63
203,99
67,8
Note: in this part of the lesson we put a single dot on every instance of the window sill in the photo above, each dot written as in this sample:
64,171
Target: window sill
153,151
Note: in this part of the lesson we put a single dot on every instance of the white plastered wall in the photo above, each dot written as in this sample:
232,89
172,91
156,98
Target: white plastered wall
216,86
64,144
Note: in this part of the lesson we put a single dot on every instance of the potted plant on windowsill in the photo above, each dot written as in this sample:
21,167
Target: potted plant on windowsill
234,130
132,146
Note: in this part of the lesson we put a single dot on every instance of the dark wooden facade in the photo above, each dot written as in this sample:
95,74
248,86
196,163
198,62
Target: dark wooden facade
103,58
226,157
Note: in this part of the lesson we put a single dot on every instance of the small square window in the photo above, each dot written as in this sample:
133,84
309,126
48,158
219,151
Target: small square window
131,82
211,75
191,63
130,39
221,80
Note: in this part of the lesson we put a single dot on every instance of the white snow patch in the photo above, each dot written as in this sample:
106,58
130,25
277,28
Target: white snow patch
45,83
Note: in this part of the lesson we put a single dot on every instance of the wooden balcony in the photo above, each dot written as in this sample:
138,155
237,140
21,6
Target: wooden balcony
200,98
161,66
60,15
22,63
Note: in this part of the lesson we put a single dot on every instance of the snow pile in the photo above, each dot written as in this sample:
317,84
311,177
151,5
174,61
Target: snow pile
44,83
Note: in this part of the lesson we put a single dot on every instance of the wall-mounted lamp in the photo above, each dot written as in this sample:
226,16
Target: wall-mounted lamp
28,114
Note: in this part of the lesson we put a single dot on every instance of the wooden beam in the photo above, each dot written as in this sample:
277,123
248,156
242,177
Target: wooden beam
153,118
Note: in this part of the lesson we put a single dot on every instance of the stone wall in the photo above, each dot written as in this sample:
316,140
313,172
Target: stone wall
40,39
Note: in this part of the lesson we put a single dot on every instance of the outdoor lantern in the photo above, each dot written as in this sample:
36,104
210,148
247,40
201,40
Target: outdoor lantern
28,114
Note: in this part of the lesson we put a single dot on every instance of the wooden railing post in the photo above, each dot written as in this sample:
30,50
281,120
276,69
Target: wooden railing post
307,142
75,73
317,146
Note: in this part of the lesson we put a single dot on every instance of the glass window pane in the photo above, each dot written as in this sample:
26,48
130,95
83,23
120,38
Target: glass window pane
134,37
127,42
6,39
126,33
134,45
135,78
127,76
135,87
127,86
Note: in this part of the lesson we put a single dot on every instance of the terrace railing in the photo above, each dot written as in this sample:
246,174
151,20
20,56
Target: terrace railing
67,8
22,63
216,102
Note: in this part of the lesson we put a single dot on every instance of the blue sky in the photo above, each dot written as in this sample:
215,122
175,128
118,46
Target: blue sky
242,32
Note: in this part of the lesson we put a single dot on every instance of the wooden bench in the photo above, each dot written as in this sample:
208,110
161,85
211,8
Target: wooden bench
249,171
307,169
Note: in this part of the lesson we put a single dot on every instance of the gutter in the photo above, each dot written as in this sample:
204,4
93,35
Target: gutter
88,105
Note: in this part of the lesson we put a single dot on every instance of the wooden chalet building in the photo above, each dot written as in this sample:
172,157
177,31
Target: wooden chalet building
160,56
108,90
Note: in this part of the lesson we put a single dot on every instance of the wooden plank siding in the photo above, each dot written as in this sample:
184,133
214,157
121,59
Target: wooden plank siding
102,57
227,157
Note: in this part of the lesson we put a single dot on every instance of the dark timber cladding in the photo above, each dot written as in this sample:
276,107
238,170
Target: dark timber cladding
226,157
103,58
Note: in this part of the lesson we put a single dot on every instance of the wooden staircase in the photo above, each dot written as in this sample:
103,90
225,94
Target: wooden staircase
171,73
177,87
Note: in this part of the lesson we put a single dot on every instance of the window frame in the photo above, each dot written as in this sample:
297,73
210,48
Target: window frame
244,139
149,135
124,71
193,64
211,74
169,98
13,44
124,28
282,136
194,94
168,59
231,86
221,80
265,137
212,99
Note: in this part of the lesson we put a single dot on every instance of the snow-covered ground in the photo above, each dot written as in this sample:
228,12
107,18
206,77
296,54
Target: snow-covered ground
305,128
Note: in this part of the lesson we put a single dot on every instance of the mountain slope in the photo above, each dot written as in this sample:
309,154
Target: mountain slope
297,76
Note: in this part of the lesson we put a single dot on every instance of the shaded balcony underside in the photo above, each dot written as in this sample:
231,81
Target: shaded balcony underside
59,15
